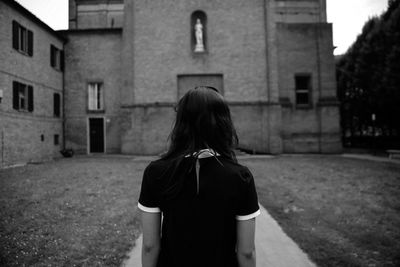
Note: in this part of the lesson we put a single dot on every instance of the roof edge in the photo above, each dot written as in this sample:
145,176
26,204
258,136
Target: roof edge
14,4
92,30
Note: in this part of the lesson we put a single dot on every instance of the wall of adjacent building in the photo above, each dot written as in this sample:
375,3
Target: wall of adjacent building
307,48
21,131
92,56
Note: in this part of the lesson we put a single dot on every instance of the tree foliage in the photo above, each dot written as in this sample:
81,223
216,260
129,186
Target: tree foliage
368,77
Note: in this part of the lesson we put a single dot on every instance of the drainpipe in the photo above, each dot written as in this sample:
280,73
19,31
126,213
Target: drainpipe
319,111
268,83
63,99
2,148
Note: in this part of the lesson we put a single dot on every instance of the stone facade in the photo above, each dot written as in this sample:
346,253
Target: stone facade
28,135
255,48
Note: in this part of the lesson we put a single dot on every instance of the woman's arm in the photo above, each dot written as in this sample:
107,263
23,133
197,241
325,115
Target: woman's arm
245,248
151,224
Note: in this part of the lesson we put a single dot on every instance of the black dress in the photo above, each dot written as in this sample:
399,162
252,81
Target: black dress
199,223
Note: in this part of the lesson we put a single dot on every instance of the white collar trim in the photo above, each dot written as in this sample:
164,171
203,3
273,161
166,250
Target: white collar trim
204,153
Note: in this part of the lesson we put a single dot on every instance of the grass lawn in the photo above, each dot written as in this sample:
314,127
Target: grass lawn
79,211
82,211
341,212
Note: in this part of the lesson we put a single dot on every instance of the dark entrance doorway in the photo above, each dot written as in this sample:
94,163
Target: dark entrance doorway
96,135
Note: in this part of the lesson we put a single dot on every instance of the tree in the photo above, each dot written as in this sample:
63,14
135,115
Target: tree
368,77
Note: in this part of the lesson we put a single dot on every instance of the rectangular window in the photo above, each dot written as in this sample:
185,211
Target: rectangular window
303,90
56,139
22,97
56,58
56,104
22,39
95,97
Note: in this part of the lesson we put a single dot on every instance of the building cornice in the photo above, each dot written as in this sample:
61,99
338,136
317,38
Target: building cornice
94,30
15,5
95,2
172,104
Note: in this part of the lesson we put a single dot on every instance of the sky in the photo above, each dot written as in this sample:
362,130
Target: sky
347,16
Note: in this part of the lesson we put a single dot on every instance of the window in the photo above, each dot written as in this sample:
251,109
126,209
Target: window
22,39
56,58
22,97
56,139
56,104
42,137
303,90
95,97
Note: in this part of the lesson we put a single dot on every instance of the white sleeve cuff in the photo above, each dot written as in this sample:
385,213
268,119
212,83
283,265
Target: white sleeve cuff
248,217
147,209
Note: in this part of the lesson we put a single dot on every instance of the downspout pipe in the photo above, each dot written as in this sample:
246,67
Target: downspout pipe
63,98
268,74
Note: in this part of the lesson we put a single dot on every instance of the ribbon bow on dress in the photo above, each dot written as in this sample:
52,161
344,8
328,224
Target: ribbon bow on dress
204,153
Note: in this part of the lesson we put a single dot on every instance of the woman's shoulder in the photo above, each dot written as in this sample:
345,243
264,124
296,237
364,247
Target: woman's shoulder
238,170
156,166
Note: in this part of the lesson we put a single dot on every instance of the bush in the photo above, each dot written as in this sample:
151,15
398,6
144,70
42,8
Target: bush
67,152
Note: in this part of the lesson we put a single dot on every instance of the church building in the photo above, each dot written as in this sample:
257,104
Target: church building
127,63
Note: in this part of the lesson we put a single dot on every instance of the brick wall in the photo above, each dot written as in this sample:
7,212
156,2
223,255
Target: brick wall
95,14
161,35
162,50
20,131
307,48
146,129
305,11
92,56
257,63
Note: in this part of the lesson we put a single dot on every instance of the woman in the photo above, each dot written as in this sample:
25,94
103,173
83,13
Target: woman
207,200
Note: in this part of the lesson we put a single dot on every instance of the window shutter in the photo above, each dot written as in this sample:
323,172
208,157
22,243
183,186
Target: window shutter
15,34
30,98
56,98
62,60
15,95
30,43
52,56
55,105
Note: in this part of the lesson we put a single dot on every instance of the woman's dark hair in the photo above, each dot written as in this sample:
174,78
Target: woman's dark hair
203,120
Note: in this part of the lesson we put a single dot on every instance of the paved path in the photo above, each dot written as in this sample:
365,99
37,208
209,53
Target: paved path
371,157
274,248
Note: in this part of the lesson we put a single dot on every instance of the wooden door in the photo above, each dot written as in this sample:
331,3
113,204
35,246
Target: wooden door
96,135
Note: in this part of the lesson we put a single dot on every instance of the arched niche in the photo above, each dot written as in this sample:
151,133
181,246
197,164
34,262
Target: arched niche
196,17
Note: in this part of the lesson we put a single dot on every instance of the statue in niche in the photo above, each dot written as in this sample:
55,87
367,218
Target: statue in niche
198,32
